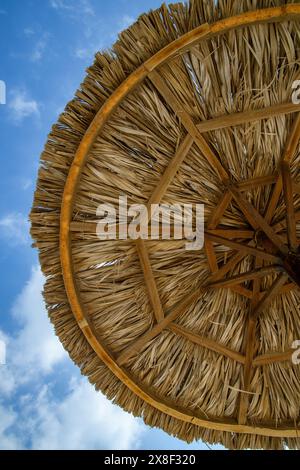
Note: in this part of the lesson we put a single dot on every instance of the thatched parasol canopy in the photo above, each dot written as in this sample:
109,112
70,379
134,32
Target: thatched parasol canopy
193,104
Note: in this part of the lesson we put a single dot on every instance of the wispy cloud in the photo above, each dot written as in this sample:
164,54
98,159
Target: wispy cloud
22,106
126,21
14,229
28,32
39,417
73,7
39,49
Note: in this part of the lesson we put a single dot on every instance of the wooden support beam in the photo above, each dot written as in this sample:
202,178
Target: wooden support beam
246,117
270,294
171,171
281,225
289,203
188,123
150,280
257,221
212,223
271,358
250,349
211,256
233,233
255,182
289,152
248,276
245,249
219,211
207,343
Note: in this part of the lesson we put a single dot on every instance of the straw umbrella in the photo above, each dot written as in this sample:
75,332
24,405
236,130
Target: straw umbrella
193,104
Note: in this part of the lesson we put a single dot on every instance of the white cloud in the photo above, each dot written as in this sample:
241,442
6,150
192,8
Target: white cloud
35,343
73,7
40,418
126,21
26,183
28,31
39,49
84,420
14,228
21,106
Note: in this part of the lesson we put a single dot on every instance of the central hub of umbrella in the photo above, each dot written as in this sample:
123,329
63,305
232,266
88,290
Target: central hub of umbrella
197,342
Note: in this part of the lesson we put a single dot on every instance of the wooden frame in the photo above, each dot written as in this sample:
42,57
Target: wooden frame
201,33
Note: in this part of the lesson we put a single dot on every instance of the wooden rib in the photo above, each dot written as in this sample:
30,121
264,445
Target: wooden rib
211,256
273,357
245,249
203,32
286,289
229,266
250,349
240,278
282,223
171,171
257,221
246,117
228,233
272,292
219,211
244,399
290,212
254,182
188,123
212,223
150,280
289,152
247,293
207,343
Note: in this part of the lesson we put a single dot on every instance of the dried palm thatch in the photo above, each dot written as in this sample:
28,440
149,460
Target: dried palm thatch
191,105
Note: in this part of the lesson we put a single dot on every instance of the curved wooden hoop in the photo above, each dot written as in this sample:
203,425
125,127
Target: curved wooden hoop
205,31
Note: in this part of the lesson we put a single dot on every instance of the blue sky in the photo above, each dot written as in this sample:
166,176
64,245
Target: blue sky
45,47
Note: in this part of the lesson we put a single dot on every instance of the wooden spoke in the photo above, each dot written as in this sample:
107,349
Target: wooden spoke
273,357
289,152
211,256
251,329
213,221
257,221
242,291
150,280
290,213
272,292
259,181
188,123
240,278
245,249
171,171
247,116
228,233
219,211
207,343
281,225
250,349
